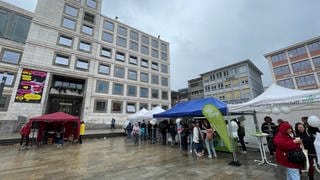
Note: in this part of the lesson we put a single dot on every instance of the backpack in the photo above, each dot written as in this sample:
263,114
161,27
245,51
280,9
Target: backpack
296,156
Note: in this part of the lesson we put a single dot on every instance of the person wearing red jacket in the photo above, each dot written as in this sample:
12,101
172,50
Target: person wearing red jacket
24,132
285,142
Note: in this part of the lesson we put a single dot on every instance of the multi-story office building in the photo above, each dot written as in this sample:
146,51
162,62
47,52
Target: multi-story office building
235,83
67,56
195,88
297,66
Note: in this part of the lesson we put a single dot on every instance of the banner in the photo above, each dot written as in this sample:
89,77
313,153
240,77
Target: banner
216,121
31,86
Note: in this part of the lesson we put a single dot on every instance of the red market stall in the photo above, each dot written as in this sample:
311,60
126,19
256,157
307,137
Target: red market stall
51,122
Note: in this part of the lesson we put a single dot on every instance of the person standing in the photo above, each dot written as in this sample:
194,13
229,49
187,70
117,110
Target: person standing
144,131
135,132
82,131
24,132
269,127
149,127
113,123
173,132
307,140
197,140
241,134
285,142
209,140
309,129
163,127
129,130
184,135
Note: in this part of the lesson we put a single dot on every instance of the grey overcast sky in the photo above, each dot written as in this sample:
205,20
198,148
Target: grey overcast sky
206,34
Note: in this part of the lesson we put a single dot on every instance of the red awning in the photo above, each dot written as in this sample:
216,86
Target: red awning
55,117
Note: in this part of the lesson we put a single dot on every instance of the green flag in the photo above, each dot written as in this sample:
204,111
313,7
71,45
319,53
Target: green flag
216,120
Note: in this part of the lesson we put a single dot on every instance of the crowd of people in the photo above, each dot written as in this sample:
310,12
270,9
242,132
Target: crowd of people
287,144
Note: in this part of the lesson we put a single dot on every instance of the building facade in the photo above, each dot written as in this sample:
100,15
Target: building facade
71,58
296,66
235,83
195,88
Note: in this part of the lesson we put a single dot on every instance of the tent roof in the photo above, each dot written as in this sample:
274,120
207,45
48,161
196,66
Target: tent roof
137,115
55,117
277,95
149,115
192,108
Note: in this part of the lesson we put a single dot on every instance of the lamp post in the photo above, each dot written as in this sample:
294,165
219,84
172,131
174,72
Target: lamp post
3,82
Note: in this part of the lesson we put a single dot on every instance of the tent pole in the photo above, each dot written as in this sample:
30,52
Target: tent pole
255,119
235,161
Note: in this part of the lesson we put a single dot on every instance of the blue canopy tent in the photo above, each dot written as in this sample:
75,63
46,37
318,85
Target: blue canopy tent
192,108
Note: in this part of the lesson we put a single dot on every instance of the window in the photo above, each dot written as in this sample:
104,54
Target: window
121,41
68,23
131,107
134,36
72,11
65,40
116,107
131,90
108,25
144,105
164,81
133,60
132,75
9,78
164,95
102,86
302,65
154,66
164,56
278,57
12,57
61,60
100,105
144,92
144,63
316,62
145,40
145,50
155,93
144,77
297,52
104,69
122,30
281,70
154,53
84,46
106,52
82,64
92,3
134,46
86,29
164,68
155,43
287,83
164,47
4,102
88,17
154,79
108,37
241,69
117,89
120,56
307,80
119,72
314,46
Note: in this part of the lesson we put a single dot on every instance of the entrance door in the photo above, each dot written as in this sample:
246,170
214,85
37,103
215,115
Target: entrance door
70,105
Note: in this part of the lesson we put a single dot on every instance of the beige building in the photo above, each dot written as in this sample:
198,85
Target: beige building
296,66
67,56
195,88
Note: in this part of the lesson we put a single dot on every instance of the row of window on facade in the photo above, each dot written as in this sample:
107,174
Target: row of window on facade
90,3
226,73
232,95
157,51
235,83
296,52
302,81
106,52
101,106
119,72
297,67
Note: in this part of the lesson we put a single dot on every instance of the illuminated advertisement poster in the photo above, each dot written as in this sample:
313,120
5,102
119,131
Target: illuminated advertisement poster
31,86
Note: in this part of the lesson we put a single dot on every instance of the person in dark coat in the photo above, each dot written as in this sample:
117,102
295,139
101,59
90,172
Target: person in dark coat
269,127
184,135
163,127
309,129
307,140
241,134
286,142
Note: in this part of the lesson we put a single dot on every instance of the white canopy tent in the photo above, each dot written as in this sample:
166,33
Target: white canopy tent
149,115
137,116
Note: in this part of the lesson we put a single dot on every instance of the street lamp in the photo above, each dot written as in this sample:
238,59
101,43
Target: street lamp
3,82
